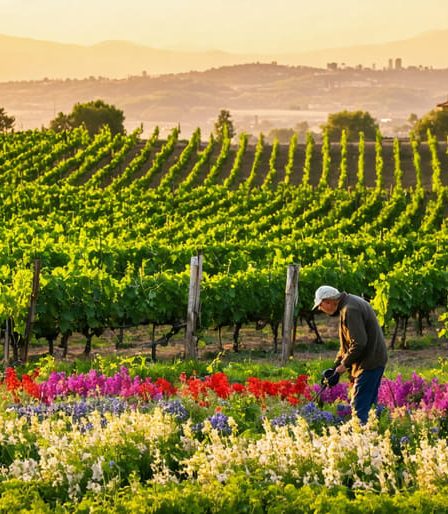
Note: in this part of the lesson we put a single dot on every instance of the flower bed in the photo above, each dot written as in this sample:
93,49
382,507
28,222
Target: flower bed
70,436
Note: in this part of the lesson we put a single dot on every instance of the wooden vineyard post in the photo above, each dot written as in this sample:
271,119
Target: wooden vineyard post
191,349
31,312
291,298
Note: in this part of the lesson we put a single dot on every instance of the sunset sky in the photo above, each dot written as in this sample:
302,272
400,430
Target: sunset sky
231,25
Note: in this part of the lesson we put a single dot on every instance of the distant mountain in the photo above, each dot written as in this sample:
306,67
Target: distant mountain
29,59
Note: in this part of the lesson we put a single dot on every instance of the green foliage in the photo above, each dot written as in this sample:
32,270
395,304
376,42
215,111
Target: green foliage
256,163
417,162
361,175
17,496
309,148
115,249
6,122
224,125
204,157
238,160
353,123
444,319
190,149
93,115
379,162
412,287
343,172
222,157
272,172
291,153
61,123
435,161
237,495
398,172
436,121
326,160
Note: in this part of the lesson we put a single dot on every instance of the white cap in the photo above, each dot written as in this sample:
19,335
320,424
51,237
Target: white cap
325,293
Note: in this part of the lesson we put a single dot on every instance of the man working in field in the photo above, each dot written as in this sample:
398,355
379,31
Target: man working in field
362,349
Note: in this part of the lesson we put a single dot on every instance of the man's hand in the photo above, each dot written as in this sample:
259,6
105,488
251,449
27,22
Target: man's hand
329,377
341,369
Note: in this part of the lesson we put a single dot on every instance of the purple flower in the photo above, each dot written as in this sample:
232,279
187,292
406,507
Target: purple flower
332,394
414,393
95,384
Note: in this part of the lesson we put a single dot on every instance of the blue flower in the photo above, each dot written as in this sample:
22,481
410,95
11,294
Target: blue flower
176,409
314,415
220,422
284,419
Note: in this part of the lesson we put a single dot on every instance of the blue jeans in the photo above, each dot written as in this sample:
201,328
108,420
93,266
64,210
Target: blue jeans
365,392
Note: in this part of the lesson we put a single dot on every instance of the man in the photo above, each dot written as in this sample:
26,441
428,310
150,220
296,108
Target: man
362,350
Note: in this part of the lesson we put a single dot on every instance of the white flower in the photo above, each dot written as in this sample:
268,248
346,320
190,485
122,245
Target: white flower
94,487
97,469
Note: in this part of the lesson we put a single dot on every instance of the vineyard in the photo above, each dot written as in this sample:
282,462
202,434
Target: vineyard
115,220
101,233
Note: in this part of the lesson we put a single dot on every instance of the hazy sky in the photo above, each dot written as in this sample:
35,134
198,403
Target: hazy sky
232,25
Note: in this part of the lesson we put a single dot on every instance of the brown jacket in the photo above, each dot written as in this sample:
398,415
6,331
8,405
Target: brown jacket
362,344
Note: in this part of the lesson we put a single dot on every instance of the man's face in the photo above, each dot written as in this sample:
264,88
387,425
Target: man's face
328,306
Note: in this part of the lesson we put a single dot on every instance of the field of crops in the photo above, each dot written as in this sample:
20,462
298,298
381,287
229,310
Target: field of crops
114,221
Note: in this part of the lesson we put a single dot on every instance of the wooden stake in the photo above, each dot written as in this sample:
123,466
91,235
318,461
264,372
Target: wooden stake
191,349
291,297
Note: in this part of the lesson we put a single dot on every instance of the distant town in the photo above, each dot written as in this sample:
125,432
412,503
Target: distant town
259,96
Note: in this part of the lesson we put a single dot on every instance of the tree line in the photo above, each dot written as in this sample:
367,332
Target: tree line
95,114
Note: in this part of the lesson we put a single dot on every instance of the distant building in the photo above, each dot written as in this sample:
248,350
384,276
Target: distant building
398,63
443,106
391,64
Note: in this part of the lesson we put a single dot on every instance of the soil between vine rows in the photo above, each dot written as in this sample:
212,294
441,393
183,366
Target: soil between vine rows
257,345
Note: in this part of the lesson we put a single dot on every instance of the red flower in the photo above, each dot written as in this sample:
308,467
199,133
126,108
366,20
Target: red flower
11,380
193,387
27,384
219,383
286,389
166,387
30,387
238,388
